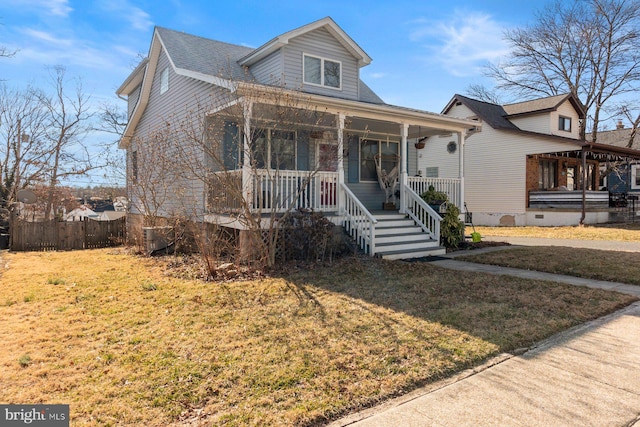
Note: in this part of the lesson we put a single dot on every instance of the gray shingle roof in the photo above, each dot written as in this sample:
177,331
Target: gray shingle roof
368,95
219,59
205,56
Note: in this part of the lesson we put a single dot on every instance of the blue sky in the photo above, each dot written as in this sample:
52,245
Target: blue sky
423,51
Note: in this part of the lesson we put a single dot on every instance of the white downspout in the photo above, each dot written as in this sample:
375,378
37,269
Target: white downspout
461,170
341,196
404,131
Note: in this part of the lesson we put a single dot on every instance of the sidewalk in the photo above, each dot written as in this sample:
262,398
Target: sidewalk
586,376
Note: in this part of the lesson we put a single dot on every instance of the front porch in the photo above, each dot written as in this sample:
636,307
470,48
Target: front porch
330,162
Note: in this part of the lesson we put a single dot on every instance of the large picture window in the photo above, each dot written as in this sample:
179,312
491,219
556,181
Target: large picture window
322,72
274,149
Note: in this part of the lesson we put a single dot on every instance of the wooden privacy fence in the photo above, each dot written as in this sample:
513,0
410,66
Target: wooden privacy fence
66,235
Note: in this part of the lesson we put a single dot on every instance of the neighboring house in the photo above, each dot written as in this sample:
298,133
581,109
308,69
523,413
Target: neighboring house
324,160
526,165
624,177
80,214
110,215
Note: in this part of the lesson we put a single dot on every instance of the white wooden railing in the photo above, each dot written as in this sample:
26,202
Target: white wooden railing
359,222
449,186
422,213
275,191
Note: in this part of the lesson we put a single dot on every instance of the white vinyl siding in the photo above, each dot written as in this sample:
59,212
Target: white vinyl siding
534,123
184,96
269,70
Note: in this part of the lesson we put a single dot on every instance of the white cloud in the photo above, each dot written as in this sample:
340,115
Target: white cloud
137,18
45,37
49,7
378,75
462,43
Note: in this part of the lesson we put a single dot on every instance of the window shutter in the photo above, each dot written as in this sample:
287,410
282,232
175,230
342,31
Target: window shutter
354,158
303,150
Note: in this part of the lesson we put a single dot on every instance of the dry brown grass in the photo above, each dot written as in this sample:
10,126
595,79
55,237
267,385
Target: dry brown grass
612,266
124,343
619,232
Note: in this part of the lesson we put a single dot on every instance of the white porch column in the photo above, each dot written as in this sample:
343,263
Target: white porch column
404,132
340,200
461,169
246,164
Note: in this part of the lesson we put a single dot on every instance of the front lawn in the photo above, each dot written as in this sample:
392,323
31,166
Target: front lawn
619,232
125,343
612,266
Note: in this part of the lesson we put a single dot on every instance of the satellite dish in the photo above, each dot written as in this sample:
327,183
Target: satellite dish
27,197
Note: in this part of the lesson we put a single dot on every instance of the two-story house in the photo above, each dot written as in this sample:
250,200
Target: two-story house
527,164
239,135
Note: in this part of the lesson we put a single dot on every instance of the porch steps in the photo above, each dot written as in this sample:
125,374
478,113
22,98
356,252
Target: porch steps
398,237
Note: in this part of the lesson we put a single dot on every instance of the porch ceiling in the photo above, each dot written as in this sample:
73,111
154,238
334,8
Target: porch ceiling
600,153
389,128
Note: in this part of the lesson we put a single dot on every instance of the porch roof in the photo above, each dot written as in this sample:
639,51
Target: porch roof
421,123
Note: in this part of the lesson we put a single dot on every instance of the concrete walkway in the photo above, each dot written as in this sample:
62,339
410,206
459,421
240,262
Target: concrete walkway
586,376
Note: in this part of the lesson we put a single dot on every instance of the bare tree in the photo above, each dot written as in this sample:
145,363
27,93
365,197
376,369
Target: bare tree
23,152
68,124
243,158
585,47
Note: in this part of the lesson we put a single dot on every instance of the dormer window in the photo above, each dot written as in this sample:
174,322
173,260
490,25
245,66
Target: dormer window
322,72
564,123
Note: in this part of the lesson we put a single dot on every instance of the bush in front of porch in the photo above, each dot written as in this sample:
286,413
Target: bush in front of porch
451,228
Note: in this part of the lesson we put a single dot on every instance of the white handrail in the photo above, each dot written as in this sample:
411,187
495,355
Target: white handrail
422,213
359,222
450,186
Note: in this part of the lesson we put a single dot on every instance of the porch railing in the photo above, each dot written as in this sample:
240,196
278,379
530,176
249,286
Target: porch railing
422,213
449,186
274,191
359,222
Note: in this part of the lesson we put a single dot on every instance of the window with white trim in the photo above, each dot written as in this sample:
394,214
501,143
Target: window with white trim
322,72
635,177
164,81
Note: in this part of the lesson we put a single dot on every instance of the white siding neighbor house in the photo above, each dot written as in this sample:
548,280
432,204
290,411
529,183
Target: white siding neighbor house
287,126
526,164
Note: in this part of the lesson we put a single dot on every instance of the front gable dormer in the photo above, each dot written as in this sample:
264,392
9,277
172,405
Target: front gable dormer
316,58
558,115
